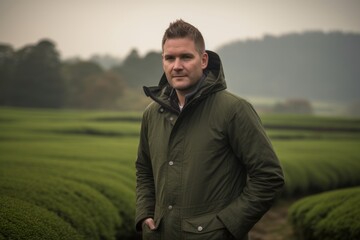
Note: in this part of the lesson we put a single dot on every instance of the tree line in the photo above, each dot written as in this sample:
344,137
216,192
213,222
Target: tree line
35,76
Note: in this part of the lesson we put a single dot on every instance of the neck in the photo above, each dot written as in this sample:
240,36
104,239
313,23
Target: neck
181,97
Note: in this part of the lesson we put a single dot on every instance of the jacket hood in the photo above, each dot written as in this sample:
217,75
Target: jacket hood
213,82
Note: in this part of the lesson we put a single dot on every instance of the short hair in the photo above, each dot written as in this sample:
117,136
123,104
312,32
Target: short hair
182,29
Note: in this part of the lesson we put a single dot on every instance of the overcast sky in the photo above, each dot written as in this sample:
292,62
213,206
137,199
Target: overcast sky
85,27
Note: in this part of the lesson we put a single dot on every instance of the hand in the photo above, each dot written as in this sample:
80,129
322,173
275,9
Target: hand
150,223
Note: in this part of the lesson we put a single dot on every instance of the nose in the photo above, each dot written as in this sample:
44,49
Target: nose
177,64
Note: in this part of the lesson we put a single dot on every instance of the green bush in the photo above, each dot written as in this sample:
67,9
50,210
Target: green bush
23,220
91,214
333,215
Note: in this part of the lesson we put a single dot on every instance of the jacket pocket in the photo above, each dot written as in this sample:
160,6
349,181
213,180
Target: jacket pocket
207,227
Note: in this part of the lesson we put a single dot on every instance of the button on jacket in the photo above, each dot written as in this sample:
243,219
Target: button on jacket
208,171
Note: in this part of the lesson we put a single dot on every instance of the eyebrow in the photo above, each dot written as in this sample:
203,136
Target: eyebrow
181,55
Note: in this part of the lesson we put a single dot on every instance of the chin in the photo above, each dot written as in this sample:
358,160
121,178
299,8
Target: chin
183,88
180,85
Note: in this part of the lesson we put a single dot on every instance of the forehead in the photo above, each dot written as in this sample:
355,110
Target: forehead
179,45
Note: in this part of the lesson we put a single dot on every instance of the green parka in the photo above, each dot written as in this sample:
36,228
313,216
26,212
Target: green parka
208,171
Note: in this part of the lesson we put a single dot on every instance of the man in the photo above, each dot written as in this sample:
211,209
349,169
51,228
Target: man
205,167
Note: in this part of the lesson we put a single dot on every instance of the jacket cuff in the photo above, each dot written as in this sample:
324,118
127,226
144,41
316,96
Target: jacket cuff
138,225
139,219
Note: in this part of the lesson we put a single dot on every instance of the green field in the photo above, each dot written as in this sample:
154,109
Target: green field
71,174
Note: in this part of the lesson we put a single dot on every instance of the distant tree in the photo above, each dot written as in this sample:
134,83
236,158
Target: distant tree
133,58
130,68
37,80
106,61
312,65
297,106
138,71
152,60
78,75
103,91
7,66
89,86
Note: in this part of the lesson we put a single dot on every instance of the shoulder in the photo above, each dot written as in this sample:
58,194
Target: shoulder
235,107
150,111
152,107
231,101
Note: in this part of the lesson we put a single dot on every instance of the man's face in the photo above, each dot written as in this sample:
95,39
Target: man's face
182,64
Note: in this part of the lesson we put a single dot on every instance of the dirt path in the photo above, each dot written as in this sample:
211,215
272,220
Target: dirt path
274,224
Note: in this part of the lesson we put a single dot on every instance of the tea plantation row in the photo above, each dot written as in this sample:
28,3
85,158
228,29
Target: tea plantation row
71,175
333,215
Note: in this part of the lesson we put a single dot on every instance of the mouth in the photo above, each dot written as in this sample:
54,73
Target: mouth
178,76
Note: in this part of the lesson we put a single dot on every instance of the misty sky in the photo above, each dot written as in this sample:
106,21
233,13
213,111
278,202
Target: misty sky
85,27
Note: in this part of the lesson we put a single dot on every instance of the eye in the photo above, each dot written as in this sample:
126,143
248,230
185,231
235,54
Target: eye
169,58
187,57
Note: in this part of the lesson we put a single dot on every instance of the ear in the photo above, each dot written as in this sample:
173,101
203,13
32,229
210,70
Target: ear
204,60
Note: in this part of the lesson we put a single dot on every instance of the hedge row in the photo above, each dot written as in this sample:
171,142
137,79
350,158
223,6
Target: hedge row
316,166
22,220
89,213
333,215
95,198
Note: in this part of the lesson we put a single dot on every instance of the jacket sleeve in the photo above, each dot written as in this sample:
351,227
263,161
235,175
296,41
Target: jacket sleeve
145,189
251,145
